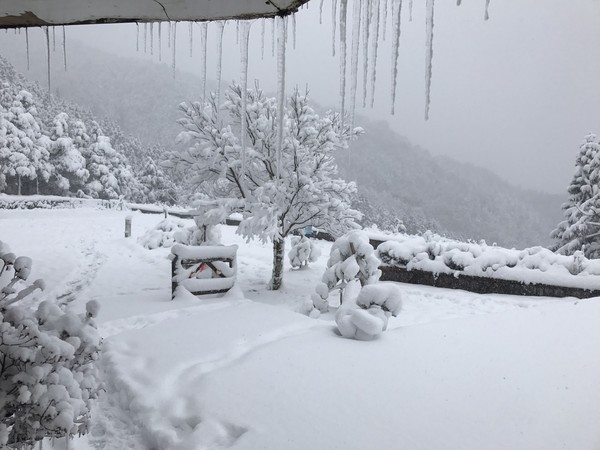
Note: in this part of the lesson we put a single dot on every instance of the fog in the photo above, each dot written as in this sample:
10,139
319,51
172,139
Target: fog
515,94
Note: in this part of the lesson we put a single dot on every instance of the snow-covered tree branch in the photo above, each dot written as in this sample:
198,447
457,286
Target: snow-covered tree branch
273,205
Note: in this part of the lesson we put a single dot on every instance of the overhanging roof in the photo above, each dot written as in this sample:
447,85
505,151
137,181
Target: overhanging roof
28,13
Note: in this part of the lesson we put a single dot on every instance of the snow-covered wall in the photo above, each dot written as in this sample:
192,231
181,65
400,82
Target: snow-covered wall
68,12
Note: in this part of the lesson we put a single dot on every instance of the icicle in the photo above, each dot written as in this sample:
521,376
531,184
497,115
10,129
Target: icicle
280,89
191,31
273,37
458,2
429,55
151,38
220,28
145,36
334,20
53,38
48,62
245,36
343,17
410,4
365,43
27,45
356,20
487,10
396,22
203,41
385,14
174,46
64,47
374,47
169,33
262,39
294,31
137,37
160,41
237,31
321,12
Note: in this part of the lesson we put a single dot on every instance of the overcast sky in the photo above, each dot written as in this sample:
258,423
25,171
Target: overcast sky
516,93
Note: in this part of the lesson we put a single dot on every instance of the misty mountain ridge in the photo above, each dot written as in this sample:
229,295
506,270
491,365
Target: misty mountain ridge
394,176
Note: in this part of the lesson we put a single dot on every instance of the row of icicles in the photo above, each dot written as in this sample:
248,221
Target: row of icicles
369,23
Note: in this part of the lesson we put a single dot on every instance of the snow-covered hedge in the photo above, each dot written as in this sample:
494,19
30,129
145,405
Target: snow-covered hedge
48,375
433,253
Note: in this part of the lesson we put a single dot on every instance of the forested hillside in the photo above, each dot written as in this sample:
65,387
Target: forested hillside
396,179
52,146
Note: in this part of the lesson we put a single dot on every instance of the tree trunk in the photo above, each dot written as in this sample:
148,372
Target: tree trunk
19,183
278,254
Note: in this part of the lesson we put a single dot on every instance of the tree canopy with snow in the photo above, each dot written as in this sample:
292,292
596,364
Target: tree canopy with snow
580,231
276,190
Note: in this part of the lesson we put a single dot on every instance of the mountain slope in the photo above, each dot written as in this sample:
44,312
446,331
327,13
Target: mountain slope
425,191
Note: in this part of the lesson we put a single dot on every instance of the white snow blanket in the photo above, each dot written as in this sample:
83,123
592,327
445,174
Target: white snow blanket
454,370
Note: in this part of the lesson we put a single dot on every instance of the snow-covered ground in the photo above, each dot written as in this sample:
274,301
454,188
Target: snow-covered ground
455,370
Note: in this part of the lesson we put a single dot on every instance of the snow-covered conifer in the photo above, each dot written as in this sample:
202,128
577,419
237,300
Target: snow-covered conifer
581,228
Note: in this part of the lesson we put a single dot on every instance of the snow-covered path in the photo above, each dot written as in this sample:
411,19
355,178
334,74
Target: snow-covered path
455,369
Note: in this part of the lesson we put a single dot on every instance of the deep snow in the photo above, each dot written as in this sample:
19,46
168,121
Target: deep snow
454,370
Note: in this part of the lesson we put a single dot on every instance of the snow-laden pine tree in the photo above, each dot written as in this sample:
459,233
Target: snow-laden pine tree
23,150
274,197
581,228
110,175
156,186
70,173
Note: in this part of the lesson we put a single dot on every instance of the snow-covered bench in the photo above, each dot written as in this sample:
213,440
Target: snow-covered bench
206,269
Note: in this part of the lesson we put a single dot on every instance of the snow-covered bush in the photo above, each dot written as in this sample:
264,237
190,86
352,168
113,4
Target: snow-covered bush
303,251
365,311
352,258
47,372
166,233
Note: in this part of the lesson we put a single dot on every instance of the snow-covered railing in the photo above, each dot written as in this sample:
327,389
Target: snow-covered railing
205,269
433,260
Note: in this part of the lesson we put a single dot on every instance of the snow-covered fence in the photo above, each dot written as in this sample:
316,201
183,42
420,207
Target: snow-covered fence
477,267
204,269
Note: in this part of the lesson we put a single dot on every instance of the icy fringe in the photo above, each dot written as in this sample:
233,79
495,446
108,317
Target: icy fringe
352,258
48,375
303,251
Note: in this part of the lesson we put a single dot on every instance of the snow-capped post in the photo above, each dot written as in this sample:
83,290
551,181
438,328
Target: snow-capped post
128,226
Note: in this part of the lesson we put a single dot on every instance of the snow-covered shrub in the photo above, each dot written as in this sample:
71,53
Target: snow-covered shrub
303,251
365,311
352,258
47,372
166,233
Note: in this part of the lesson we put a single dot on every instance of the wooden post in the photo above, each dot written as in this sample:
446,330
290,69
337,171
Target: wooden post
128,226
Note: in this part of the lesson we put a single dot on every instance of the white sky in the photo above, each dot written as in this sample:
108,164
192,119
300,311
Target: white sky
516,94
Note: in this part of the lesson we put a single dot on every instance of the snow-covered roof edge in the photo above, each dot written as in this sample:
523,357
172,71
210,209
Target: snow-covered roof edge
33,13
